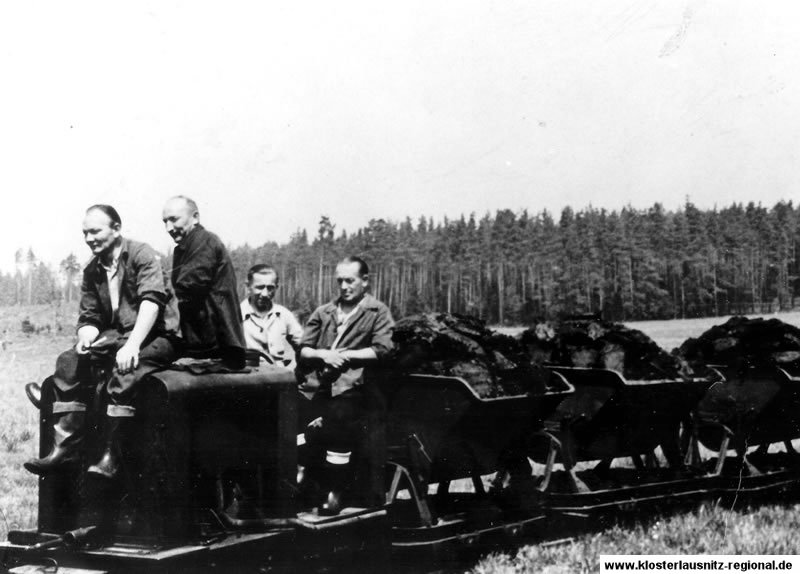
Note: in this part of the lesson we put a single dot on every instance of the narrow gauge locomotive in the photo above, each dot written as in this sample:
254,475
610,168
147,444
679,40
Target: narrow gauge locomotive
204,433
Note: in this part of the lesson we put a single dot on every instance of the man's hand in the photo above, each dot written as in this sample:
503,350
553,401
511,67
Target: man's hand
86,336
127,357
333,358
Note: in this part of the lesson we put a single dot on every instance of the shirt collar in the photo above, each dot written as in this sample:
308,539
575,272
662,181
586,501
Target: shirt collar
117,255
248,309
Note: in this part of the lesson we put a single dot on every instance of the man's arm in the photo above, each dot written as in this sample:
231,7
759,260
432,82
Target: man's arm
382,342
360,357
152,291
90,310
309,354
197,273
334,358
294,332
128,354
90,317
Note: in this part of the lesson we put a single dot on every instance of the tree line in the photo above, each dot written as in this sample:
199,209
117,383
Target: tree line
513,267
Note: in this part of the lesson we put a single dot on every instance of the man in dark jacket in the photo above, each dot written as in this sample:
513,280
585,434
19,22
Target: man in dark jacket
205,285
340,340
126,325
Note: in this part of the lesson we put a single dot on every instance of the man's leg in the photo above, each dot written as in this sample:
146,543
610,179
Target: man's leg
338,434
120,411
73,389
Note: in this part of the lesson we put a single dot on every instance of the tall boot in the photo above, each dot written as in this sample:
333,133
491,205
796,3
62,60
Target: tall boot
118,417
68,434
337,471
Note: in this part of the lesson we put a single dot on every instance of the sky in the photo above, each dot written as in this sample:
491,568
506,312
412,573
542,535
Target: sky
271,114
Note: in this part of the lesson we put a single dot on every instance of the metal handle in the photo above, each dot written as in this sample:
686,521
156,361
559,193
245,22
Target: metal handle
34,392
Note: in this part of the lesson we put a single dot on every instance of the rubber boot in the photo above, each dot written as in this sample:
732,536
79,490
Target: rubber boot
68,434
337,470
118,417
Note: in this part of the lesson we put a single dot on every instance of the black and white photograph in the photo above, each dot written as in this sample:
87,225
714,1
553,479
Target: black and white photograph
485,287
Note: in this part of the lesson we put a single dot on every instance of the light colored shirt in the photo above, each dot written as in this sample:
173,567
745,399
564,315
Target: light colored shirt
273,333
113,281
342,320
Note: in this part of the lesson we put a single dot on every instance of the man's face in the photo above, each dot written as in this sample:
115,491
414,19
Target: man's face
351,283
179,219
99,232
261,290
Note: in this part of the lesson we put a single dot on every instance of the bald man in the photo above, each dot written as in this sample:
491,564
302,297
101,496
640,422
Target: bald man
205,285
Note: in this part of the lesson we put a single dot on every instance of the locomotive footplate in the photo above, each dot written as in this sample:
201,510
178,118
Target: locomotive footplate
257,550
351,541
355,540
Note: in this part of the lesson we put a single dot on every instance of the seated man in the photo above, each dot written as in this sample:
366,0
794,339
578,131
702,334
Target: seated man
340,340
205,286
267,325
126,323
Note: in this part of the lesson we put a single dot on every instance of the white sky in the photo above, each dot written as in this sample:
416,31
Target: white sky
270,114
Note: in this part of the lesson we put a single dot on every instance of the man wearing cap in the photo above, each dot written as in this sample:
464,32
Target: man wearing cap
340,340
268,327
205,285
126,325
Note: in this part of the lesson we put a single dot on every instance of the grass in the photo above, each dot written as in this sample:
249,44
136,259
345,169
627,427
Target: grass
25,359
710,529
707,529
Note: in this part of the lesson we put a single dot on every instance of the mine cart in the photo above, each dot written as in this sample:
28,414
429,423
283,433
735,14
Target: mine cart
609,418
440,431
753,407
208,484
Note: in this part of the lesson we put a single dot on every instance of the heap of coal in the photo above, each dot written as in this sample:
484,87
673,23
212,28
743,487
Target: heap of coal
494,365
598,344
745,342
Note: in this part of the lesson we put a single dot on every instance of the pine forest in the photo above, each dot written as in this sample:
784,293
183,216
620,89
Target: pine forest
513,267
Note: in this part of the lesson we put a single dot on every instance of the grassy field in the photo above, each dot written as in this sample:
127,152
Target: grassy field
707,529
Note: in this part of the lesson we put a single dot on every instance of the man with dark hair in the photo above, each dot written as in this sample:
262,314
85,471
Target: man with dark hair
205,285
126,324
267,325
341,339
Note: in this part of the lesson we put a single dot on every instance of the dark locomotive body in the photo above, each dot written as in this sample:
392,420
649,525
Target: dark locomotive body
208,485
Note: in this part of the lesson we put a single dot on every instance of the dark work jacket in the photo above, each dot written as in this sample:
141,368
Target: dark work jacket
141,278
205,285
370,327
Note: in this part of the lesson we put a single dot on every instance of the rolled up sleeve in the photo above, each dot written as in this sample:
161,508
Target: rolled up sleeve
382,333
294,332
149,276
311,333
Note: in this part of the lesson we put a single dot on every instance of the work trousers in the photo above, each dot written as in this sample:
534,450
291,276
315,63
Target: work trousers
343,420
354,422
74,376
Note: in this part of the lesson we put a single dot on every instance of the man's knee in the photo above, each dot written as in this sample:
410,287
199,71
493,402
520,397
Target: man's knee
158,353
72,371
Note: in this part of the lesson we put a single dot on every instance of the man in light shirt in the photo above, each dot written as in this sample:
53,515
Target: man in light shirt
268,327
127,324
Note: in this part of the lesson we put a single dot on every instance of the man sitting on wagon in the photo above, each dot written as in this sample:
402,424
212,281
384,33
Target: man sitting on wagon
341,338
268,326
205,285
126,324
